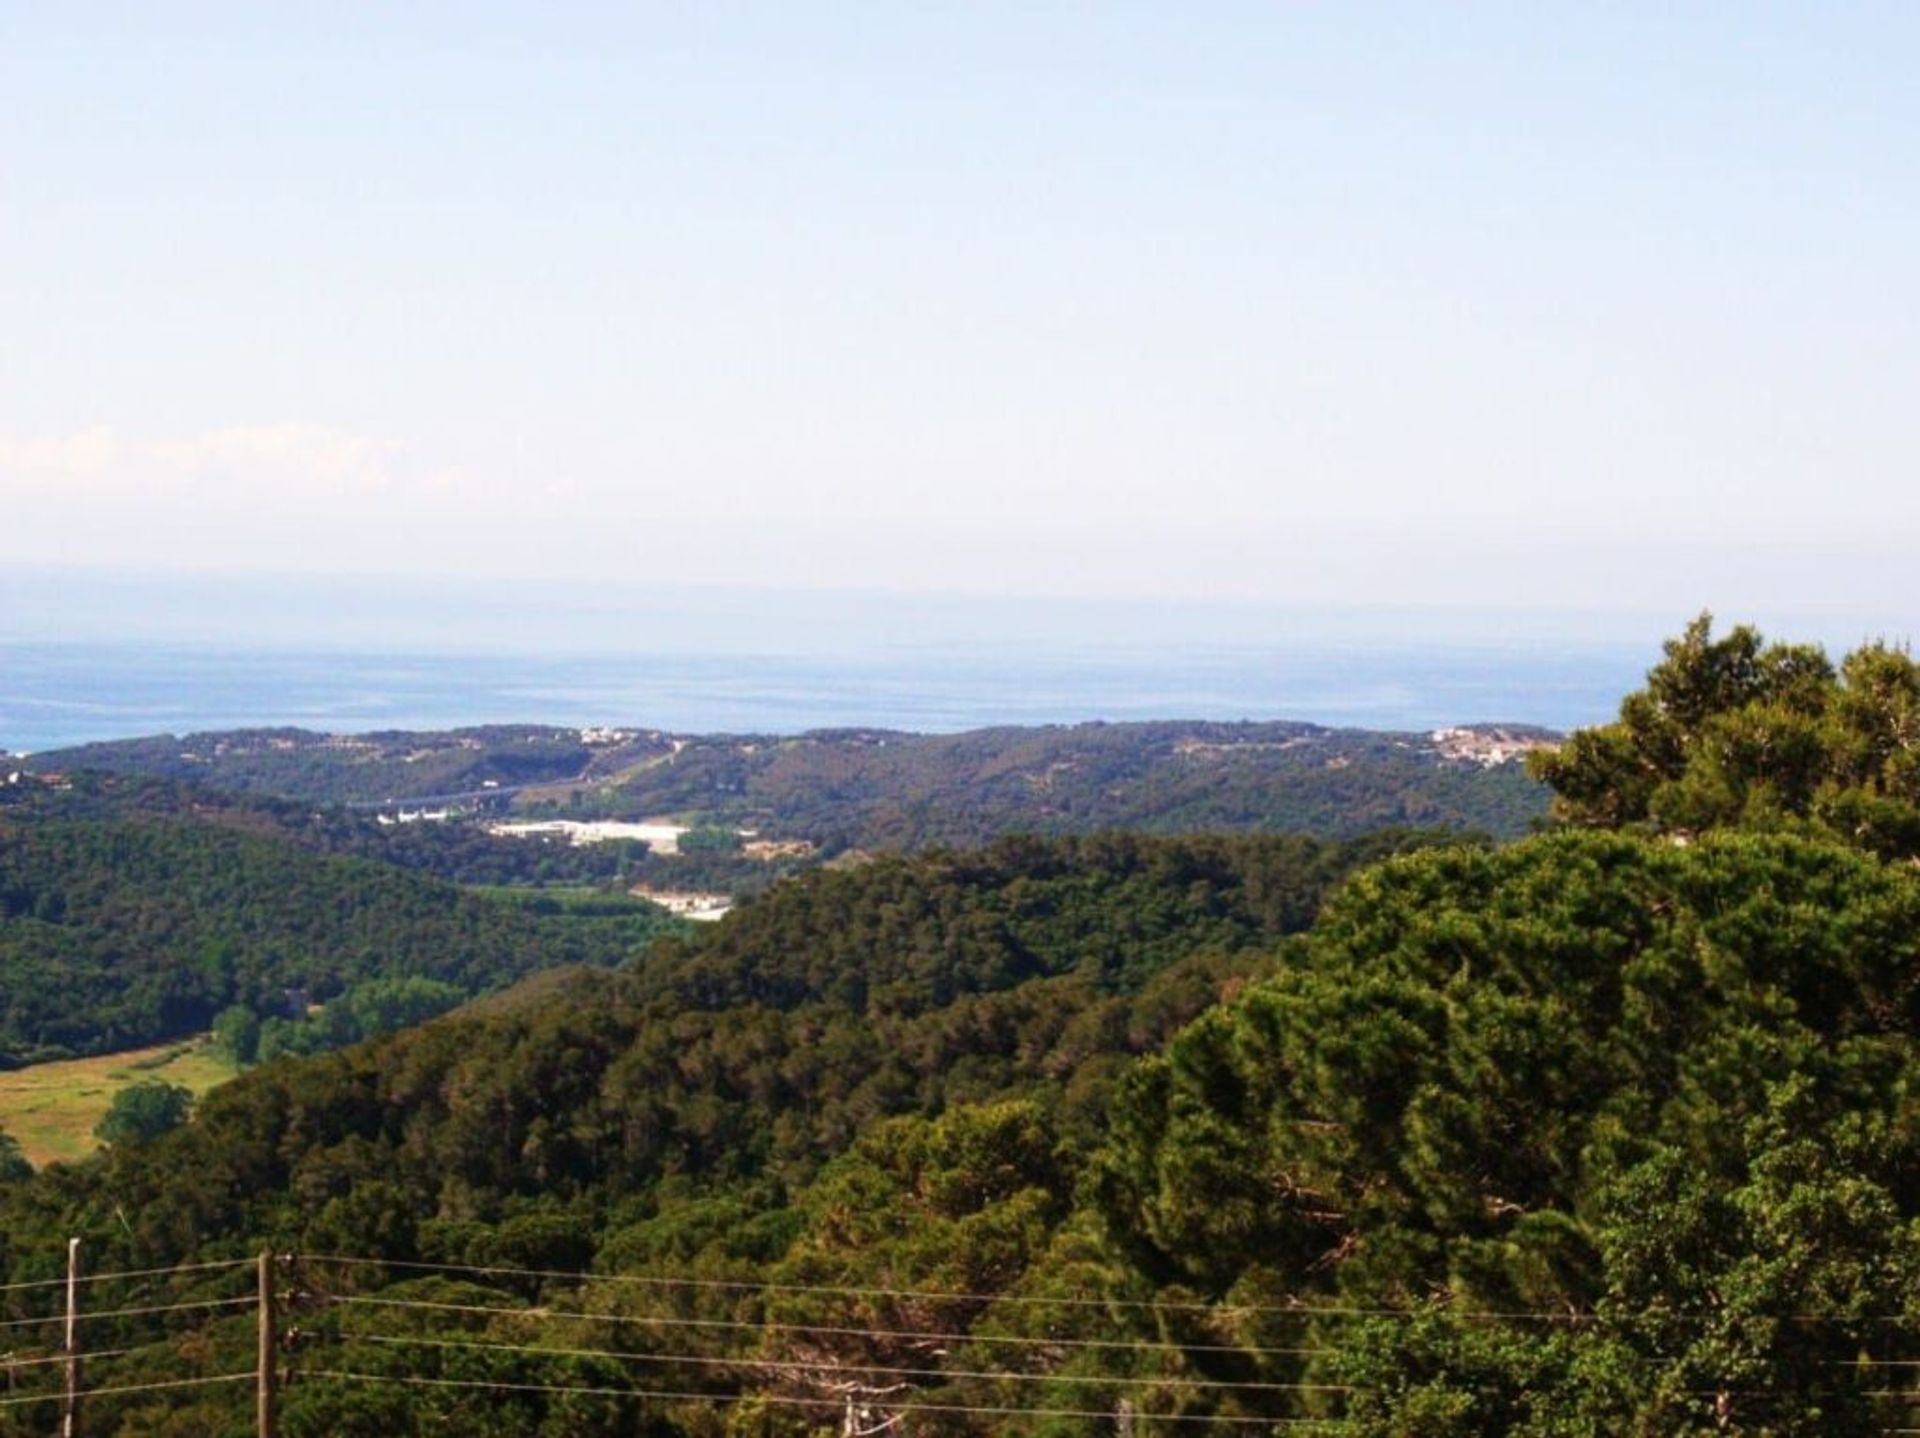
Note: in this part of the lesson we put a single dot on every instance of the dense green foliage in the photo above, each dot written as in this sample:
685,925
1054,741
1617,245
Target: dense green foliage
379,768
1593,1134
1739,732
121,932
142,1111
460,850
885,790
365,1011
461,853
1664,1093
680,1114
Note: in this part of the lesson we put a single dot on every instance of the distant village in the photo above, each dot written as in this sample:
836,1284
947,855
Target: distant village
1489,745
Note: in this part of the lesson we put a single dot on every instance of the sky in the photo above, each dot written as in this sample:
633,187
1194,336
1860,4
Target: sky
1477,308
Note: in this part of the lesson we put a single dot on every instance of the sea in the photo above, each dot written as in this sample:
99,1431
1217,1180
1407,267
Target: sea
59,693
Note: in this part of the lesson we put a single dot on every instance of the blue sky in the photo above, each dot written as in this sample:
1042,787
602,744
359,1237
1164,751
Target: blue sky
1428,306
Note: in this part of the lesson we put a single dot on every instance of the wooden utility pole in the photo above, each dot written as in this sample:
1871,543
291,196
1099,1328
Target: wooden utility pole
267,1414
70,1411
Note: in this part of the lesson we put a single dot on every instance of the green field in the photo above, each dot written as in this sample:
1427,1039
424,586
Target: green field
52,1108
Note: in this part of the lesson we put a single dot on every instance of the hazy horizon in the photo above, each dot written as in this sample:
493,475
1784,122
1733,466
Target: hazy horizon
1460,309
92,654
452,615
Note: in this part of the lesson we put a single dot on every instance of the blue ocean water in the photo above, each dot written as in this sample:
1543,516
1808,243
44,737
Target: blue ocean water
59,693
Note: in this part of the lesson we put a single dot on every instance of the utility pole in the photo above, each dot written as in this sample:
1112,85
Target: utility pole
70,1411
268,1413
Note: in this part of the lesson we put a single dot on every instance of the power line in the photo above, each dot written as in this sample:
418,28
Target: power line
909,1335
84,1314
123,1273
984,1410
132,1388
9,1362
827,1366
877,1370
161,1272
33,1283
1293,1308
838,1330
32,1322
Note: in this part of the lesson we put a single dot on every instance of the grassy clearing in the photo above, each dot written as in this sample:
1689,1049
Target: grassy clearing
52,1108
561,898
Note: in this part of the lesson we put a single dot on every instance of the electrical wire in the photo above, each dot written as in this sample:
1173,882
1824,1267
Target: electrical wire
206,1267
989,1375
840,1331
31,1322
1298,1308
132,1388
788,1366
84,1314
122,1273
1294,1308
904,1335
983,1410
92,1355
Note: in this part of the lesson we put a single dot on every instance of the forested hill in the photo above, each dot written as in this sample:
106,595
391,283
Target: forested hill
686,1114
1591,1134
128,917
879,789
462,853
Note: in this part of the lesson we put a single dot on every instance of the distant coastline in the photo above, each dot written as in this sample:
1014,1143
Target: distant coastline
56,694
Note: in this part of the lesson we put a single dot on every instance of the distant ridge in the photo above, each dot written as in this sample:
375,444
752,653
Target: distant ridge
882,788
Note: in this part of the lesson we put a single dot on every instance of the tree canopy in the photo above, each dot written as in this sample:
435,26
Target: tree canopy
142,1111
1654,1101
127,930
1738,732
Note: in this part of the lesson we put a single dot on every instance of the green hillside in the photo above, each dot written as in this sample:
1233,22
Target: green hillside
1611,1130
679,1111
120,932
